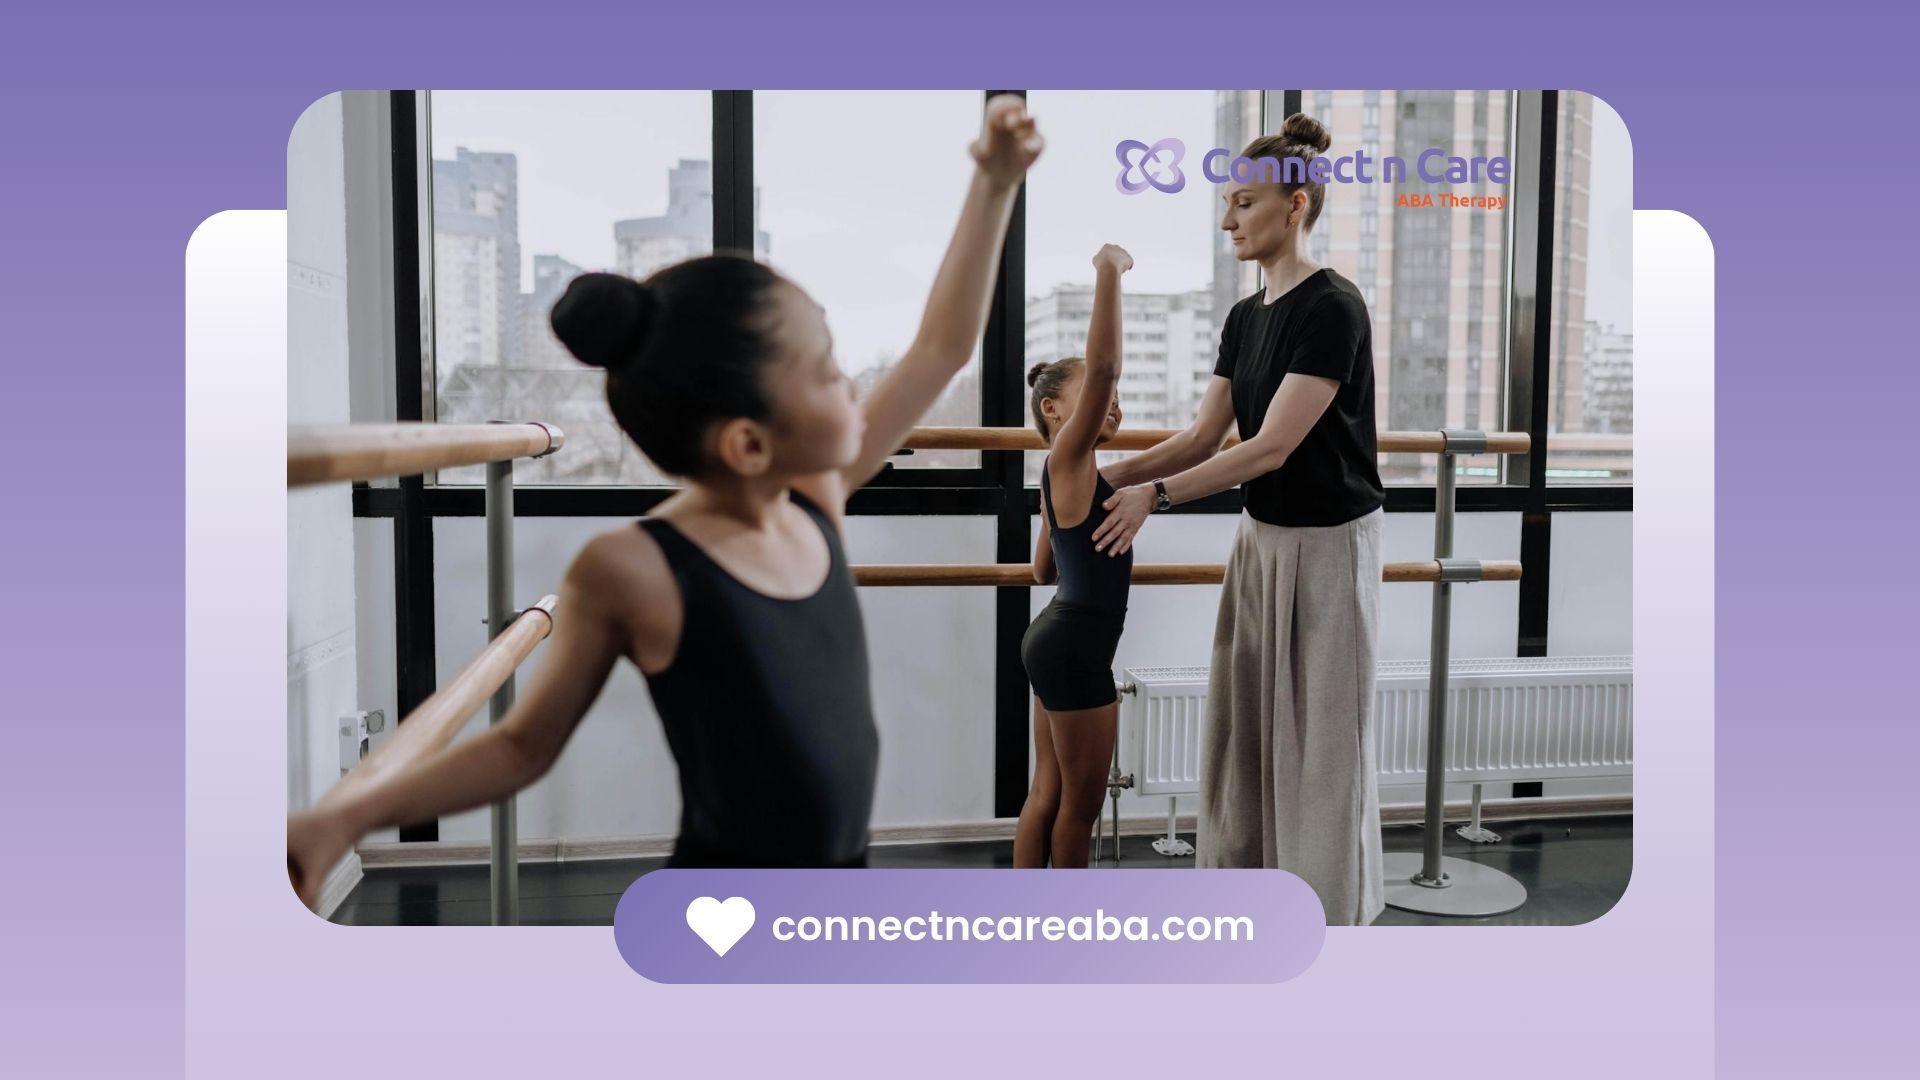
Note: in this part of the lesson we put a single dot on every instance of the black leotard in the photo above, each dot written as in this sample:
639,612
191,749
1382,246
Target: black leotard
768,709
1088,578
1069,647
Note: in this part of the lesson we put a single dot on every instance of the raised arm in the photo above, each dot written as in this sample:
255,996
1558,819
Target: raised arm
1074,442
956,313
586,641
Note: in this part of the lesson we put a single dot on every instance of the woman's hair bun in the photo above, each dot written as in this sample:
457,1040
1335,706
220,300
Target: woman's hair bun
1305,130
1033,376
603,319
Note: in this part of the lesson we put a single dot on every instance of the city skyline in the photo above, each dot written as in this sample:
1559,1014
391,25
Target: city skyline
1433,279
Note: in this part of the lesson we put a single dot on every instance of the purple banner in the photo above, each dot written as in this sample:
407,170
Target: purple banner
968,926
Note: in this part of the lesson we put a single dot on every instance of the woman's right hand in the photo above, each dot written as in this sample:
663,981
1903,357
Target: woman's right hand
316,842
1113,255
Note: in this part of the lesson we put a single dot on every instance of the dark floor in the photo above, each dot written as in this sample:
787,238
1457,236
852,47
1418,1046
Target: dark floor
1574,870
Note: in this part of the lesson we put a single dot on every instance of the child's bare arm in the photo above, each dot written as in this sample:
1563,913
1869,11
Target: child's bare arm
586,641
1073,444
956,311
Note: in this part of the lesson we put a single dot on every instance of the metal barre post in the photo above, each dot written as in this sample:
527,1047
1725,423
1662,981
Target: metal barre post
1436,884
505,871
1432,874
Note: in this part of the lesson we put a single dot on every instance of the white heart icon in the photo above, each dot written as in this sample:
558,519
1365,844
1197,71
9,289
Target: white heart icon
720,925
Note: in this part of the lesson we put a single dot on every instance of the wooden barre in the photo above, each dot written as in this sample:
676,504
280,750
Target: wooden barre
1018,574
319,454
1008,438
433,725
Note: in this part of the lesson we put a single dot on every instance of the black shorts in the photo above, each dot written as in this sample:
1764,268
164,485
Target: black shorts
1068,653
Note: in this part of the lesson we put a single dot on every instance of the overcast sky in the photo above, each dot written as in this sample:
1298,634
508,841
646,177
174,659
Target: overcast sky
860,189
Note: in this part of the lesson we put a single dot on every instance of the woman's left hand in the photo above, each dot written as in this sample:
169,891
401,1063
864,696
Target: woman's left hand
1127,510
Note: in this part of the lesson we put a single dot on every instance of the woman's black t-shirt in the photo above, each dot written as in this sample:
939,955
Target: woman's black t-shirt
1319,327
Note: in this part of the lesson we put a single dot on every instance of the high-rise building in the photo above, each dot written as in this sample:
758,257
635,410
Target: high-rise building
1168,347
495,355
539,348
476,260
1167,339
643,245
1571,217
1609,380
1433,276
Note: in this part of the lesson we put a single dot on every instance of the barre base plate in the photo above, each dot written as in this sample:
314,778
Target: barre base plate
1473,890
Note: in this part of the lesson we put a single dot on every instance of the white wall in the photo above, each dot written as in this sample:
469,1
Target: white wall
1173,624
375,643
1590,596
932,666
321,679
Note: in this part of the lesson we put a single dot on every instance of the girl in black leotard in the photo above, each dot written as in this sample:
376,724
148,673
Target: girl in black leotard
735,599
1068,650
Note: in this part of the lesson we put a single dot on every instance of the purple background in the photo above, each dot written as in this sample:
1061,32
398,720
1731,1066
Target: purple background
1781,129
1288,926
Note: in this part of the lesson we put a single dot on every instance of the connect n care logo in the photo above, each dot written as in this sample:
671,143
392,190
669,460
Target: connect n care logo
1158,166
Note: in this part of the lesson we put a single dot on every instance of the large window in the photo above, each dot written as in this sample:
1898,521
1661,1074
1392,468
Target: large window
1184,278
526,190
1590,347
529,190
863,227
1433,276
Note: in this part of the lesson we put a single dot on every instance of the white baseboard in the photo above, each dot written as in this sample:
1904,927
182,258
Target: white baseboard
389,856
1515,809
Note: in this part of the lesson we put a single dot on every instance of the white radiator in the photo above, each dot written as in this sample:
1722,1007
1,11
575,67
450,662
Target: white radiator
1516,719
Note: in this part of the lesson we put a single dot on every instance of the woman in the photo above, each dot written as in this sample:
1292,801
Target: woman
1287,773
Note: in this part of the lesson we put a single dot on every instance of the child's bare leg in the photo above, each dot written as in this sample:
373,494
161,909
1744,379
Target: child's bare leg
1030,838
1083,744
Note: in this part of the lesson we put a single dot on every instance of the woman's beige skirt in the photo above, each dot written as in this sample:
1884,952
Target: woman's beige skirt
1287,756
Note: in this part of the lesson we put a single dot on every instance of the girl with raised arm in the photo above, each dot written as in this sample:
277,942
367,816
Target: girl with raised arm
1068,650
734,598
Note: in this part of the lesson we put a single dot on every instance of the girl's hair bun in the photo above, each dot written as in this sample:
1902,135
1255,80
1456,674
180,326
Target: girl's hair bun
603,319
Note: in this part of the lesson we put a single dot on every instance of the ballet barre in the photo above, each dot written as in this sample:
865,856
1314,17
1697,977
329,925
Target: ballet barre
1429,882
330,453
334,453
1011,438
431,726
1021,574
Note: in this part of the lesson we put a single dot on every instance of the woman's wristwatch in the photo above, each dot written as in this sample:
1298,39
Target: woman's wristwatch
1161,502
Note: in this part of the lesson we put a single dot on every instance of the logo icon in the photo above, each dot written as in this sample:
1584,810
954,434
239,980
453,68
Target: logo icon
720,925
1158,166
